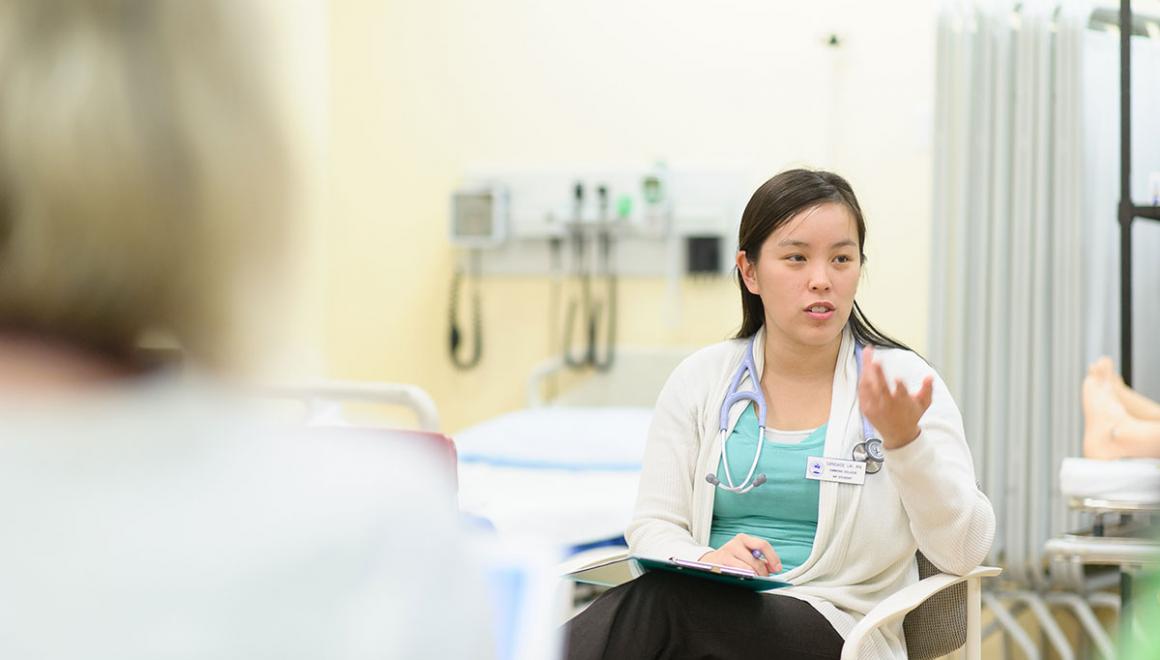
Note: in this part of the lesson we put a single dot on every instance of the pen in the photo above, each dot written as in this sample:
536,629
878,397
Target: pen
760,556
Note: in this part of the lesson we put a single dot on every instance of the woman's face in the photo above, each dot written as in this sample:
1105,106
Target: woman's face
806,275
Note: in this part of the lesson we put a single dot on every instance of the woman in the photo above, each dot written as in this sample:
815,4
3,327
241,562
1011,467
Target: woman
147,515
844,543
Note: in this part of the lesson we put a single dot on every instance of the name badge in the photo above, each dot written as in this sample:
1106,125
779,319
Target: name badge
821,468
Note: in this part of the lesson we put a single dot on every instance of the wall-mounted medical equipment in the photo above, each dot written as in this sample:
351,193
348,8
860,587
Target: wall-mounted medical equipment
592,320
479,217
646,213
457,334
703,255
587,227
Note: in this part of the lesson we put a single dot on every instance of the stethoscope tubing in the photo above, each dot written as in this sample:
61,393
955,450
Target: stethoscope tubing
869,451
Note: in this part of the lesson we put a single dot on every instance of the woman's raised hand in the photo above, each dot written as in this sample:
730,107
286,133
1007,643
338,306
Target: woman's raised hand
893,410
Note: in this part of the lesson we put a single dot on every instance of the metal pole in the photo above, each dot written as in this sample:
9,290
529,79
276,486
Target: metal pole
1126,611
1126,207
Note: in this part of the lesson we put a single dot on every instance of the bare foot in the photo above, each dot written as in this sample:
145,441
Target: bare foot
1137,405
1102,411
1103,369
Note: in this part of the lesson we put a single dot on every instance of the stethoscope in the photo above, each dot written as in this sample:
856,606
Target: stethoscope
869,451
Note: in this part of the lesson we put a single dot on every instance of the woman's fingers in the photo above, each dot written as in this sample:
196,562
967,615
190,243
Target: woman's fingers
739,547
726,556
926,393
889,404
880,379
899,393
756,552
921,399
754,544
747,560
876,387
771,557
870,384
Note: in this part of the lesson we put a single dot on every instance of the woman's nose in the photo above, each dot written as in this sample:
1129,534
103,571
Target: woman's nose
819,280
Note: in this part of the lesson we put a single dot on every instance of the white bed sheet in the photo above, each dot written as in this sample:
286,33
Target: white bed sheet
566,476
1125,480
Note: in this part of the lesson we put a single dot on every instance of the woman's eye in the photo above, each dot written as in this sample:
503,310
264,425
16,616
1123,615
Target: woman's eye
842,259
795,257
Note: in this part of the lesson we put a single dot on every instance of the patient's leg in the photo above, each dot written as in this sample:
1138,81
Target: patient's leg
1109,431
1136,404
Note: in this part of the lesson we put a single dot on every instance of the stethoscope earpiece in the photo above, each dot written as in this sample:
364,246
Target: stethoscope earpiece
740,490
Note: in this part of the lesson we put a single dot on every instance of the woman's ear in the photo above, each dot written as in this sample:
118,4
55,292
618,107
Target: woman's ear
748,271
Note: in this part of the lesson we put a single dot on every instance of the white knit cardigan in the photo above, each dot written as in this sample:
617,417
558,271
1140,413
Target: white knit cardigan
925,498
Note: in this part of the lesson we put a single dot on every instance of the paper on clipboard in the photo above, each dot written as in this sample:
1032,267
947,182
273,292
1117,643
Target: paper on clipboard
617,570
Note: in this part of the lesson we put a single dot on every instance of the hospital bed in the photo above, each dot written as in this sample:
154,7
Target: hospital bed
1121,501
322,400
564,470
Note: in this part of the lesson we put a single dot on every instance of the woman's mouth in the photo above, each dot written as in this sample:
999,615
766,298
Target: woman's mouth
820,311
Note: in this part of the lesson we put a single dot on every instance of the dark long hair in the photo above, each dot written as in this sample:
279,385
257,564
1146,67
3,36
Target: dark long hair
774,203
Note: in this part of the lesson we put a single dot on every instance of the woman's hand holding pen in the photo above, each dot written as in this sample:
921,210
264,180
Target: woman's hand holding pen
893,410
745,551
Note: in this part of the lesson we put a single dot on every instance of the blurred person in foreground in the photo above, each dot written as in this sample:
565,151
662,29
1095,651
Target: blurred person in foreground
149,514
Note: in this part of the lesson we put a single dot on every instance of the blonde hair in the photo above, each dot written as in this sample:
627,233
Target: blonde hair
140,169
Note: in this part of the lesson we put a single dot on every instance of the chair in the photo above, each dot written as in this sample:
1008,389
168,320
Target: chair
942,613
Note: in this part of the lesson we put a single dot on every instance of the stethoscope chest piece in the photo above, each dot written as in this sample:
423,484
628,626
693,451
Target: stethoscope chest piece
870,452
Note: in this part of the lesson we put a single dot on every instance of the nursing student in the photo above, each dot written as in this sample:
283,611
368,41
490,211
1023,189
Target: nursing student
810,447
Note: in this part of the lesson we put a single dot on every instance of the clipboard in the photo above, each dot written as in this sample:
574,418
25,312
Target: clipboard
621,569
734,577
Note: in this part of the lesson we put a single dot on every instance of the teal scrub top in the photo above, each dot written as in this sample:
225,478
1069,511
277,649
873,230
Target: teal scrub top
783,510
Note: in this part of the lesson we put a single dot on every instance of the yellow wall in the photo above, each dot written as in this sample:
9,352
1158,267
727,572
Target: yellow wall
282,321
422,91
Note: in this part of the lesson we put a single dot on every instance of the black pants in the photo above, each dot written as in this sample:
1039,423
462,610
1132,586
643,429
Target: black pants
669,616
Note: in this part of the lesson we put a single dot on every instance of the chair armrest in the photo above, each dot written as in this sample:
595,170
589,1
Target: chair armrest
591,557
896,605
